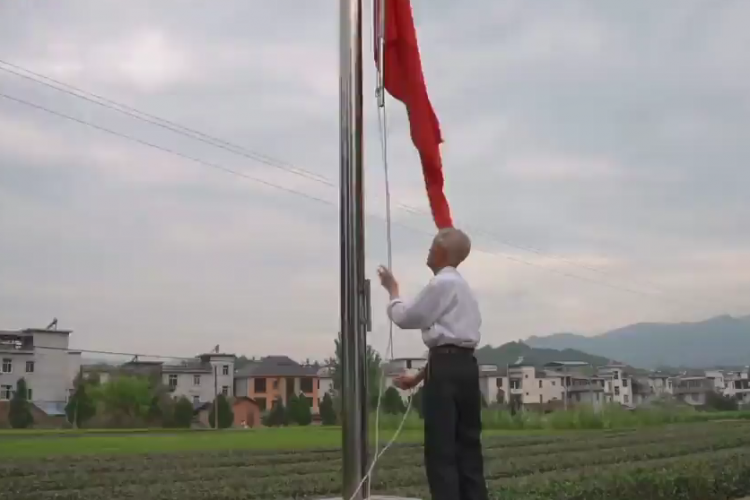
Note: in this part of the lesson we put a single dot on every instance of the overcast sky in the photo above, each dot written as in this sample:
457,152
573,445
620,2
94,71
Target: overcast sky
610,138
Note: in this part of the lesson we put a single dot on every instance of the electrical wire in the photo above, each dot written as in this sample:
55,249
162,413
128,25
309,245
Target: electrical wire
303,194
192,133
161,122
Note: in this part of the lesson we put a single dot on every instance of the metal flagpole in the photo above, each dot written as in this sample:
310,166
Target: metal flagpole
351,217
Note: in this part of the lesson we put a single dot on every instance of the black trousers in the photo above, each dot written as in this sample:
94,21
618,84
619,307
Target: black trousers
452,409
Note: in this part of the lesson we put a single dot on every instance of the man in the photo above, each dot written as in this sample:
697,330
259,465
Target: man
448,315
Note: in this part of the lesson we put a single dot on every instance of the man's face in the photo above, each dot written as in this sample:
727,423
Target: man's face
434,256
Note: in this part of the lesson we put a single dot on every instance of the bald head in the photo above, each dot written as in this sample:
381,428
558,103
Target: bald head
451,246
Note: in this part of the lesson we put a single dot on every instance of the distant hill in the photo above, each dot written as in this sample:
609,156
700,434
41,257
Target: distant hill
509,353
719,341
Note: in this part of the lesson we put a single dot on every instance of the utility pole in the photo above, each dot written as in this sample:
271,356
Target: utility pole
351,220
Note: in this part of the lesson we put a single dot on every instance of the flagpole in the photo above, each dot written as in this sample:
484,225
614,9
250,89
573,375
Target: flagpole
351,218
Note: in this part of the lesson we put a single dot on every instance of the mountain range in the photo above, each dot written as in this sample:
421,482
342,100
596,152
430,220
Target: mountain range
719,341
508,354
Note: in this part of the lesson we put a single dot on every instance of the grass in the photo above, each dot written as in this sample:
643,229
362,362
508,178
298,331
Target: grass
26,444
580,418
288,438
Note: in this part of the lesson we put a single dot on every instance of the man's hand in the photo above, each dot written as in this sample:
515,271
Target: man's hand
388,281
405,381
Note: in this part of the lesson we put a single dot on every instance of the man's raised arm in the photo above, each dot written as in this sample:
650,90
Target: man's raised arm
424,310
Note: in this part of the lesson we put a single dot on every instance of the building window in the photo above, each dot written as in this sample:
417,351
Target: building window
29,367
617,391
540,399
225,370
173,381
553,383
408,364
29,394
196,380
7,365
6,391
225,390
624,382
616,375
626,398
306,385
499,382
259,385
540,385
261,403
597,396
196,400
526,375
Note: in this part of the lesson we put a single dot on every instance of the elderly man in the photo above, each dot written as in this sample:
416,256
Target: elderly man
448,315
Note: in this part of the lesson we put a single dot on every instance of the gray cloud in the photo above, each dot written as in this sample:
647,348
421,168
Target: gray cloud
612,135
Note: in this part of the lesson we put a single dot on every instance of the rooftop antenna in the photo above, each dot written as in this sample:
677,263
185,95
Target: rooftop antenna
53,325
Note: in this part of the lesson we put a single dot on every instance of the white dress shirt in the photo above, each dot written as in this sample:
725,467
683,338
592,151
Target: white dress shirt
445,310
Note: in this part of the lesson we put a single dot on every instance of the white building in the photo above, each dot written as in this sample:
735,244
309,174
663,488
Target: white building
325,382
41,357
556,386
692,390
199,379
618,385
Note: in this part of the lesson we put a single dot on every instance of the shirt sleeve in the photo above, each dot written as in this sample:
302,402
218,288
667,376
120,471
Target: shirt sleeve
425,309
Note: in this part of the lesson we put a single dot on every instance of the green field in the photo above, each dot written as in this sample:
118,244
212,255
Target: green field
700,461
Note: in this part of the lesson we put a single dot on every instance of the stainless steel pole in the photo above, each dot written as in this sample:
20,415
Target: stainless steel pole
351,217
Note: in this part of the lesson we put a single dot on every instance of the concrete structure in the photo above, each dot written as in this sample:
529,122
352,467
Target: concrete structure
325,382
40,356
693,390
277,377
195,379
618,384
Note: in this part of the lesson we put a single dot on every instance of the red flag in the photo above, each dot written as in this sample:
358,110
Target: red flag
404,80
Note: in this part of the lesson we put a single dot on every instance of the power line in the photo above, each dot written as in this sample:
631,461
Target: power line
167,150
308,196
113,353
255,156
163,123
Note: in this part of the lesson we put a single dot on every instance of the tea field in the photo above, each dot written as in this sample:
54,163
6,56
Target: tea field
705,461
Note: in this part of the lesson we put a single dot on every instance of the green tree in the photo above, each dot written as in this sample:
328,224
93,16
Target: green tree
81,406
392,403
277,416
226,415
298,409
183,413
126,399
374,362
19,413
327,411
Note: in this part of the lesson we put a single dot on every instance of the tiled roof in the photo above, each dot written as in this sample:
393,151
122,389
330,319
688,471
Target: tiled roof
276,366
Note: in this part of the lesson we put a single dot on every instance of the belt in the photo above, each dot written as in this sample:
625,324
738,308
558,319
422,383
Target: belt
451,349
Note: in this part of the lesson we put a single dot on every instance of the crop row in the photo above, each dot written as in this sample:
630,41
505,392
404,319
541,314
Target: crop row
206,460
708,476
108,473
271,481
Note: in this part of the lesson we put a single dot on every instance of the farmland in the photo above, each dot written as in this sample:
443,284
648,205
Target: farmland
704,461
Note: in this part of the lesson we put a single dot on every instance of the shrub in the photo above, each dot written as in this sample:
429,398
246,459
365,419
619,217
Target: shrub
226,415
19,413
